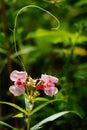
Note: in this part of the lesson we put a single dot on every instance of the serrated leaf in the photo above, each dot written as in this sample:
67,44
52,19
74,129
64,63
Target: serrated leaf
15,106
19,115
50,118
7,125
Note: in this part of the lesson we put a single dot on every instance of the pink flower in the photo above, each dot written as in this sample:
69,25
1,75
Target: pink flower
47,84
19,78
50,91
49,78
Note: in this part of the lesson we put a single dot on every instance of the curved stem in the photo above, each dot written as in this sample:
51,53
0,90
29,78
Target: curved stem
31,6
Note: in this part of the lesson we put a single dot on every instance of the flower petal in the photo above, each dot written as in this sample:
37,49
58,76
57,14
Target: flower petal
50,91
39,87
18,74
16,91
46,78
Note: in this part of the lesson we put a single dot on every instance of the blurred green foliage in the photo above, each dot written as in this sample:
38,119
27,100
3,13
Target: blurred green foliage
62,53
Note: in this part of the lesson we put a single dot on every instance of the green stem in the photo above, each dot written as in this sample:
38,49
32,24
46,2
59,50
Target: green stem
28,123
29,107
31,6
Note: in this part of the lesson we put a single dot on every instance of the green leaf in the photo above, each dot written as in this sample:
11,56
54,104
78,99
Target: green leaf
50,118
3,51
43,105
81,3
46,36
7,125
15,106
41,99
7,116
19,115
25,50
2,38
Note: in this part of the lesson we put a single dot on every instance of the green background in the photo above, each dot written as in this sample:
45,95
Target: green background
61,53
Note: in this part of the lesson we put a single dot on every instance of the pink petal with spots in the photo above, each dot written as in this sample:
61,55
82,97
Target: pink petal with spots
18,74
16,91
51,91
49,84
47,78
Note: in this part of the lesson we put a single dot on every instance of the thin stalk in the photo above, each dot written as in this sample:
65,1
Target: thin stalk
28,116
29,106
15,24
28,123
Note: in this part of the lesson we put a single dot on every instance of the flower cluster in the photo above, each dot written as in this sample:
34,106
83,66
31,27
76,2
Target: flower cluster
25,84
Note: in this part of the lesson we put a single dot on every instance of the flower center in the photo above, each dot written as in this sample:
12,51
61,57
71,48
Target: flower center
20,83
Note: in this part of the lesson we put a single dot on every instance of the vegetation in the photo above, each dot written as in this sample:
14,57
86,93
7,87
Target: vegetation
39,49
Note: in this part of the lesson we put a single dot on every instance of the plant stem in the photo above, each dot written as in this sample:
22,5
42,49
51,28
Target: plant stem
28,109
28,123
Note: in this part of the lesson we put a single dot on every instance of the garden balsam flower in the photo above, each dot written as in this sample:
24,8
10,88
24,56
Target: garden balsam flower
19,78
47,84
25,84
